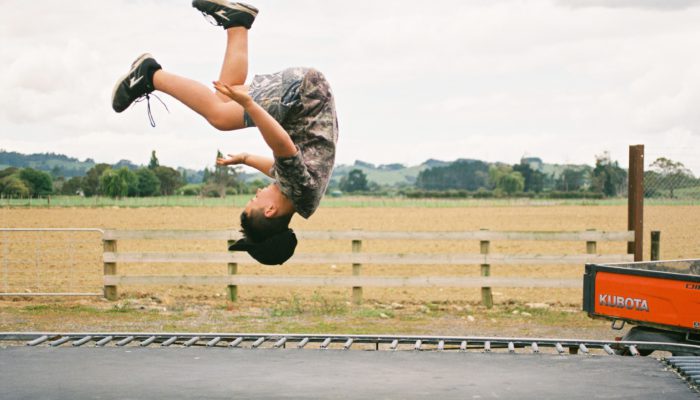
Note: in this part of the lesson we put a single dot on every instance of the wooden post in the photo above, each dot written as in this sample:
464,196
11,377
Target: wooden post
356,269
486,295
635,200
110,246
232,270
655,245
591,247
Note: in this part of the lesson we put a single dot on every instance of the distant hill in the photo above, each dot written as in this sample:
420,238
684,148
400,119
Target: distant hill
391,174
57,164
386,174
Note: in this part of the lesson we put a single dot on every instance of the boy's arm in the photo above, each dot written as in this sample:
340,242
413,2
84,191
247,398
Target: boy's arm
272,132
261,163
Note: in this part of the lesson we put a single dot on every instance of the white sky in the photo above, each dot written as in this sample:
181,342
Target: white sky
493,80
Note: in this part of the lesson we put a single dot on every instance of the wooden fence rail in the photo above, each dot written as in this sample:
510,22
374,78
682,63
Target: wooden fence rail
112,258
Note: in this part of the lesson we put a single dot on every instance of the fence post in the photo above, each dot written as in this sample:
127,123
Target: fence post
591,246
486,295
635,200
110,246
232,270
356,269
655,245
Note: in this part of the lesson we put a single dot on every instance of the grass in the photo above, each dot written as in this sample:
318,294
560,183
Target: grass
318,305
297,314
331,202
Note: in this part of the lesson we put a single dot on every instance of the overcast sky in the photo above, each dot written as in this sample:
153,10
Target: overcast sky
494,80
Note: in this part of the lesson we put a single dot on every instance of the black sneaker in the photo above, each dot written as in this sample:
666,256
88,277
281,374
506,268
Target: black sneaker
227,14
135,84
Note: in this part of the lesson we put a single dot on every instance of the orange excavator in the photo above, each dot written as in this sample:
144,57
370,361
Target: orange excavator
661,298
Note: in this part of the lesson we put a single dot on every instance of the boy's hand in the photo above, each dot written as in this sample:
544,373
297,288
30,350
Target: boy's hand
233,159
237,93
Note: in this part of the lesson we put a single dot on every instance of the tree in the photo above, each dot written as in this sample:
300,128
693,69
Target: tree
8,171
534,180
153,164
169,179
461,174
511,183
607,177
148,183
132,181
12,186
222,178
112,184
506,180
38,182
72,186
56,171
355,181
571,179
669,175
91,182
206,175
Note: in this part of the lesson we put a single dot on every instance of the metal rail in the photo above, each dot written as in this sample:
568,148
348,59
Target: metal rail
346,342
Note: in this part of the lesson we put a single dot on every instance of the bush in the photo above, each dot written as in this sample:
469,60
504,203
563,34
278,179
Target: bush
212,190
573,195
441,194
190,190
483,194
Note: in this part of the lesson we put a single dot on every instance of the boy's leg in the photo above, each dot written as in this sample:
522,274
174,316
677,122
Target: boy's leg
234,70
224,116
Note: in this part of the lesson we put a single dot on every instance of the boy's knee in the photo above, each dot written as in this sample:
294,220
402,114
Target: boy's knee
220,121
225,119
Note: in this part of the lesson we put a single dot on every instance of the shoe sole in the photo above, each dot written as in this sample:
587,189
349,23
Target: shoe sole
137,63
236,6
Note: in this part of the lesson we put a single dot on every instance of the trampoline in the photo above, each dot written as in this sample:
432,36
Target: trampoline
267,366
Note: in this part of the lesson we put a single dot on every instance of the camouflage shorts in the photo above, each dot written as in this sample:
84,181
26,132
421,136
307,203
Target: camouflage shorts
297,98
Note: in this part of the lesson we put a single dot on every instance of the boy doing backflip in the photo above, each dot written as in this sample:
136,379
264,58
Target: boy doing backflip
293,110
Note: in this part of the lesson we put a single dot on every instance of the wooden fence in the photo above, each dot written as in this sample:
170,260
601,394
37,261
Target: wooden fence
112,258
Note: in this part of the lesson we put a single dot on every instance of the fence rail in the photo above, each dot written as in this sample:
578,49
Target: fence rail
579,236
344,281
112,258
369,258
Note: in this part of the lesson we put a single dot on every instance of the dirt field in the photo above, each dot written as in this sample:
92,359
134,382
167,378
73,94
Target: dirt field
551,312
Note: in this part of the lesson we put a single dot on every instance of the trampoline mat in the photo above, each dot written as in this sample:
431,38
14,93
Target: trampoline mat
222,373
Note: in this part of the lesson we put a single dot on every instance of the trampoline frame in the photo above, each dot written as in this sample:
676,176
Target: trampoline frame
325,341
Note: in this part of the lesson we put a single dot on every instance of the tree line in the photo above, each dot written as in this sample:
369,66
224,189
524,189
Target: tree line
462,178
122,181
474,178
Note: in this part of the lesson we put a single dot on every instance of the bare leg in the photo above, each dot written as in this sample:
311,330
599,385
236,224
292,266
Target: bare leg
234,70
225,116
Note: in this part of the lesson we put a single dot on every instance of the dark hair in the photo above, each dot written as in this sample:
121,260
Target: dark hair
257,227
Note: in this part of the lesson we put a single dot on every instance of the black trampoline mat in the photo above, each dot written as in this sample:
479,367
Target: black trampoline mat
222,373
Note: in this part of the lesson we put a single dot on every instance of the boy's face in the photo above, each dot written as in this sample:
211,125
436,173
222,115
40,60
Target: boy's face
265,199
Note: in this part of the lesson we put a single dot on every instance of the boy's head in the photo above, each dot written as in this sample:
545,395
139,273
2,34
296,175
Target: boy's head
265,227
266,214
